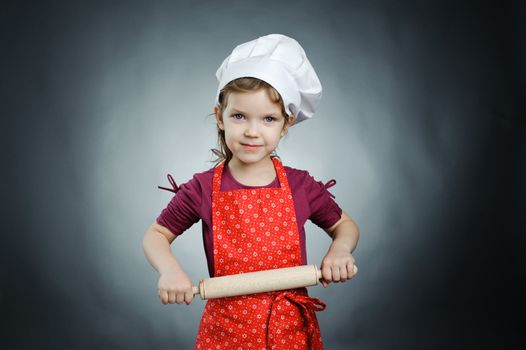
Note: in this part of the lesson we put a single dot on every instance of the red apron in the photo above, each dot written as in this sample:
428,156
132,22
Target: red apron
254,230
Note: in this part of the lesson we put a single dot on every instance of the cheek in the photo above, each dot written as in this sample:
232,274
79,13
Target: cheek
274,138
231,131
230,136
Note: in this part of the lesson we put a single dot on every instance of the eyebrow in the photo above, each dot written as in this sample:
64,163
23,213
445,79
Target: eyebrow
276,114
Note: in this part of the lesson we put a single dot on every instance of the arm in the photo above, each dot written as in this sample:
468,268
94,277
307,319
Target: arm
338,263
174,284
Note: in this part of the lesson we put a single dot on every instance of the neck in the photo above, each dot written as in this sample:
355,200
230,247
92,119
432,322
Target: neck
260,173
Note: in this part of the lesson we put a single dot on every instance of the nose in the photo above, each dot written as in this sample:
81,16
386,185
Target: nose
251,129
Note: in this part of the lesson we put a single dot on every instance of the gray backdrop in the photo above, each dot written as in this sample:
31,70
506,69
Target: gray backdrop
421,124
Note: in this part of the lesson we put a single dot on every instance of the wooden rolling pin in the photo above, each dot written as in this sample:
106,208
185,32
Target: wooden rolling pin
259,282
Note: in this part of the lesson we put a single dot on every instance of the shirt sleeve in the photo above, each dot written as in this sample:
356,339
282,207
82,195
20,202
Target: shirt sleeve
184,208
324,211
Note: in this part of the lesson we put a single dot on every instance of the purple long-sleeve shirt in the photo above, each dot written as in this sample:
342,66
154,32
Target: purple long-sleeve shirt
193,202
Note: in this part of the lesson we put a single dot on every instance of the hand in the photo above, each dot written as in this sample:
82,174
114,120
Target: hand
337,266
175,287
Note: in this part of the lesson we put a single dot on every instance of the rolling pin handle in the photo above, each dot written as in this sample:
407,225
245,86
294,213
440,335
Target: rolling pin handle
195,290
318,273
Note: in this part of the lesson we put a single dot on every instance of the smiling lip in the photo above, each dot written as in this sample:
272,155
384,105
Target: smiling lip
253,146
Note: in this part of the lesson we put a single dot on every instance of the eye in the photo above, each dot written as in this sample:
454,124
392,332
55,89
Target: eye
237,116
270,119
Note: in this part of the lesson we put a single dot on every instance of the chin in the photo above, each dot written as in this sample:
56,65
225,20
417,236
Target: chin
252,158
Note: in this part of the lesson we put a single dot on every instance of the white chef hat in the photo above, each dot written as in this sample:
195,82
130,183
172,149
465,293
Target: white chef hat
281,62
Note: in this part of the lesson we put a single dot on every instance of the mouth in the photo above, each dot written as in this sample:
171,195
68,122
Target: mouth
251,148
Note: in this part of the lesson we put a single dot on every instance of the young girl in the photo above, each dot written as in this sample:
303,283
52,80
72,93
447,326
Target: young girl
253,208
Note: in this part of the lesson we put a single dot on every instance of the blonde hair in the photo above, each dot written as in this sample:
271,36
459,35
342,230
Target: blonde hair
245,84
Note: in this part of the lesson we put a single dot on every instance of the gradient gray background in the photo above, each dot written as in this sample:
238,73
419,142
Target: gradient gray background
421,123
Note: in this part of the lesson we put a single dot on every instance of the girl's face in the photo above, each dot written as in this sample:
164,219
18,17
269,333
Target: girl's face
253,125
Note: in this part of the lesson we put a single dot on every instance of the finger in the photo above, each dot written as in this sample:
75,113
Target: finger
326,273
179,298
336,274
163,295
188,297
171,296
344,275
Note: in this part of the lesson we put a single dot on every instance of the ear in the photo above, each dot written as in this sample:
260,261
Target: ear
286,127
219,117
